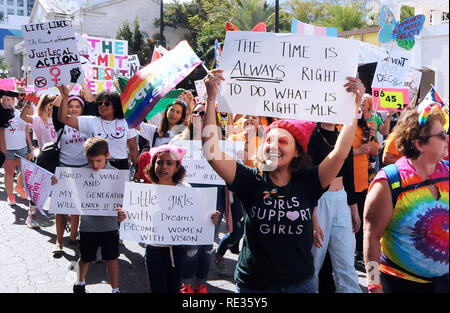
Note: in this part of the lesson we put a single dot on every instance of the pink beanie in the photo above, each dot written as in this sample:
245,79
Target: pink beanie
300,130
175,151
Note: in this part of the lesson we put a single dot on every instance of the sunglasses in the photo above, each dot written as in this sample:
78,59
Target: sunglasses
196,113
442,135
106,104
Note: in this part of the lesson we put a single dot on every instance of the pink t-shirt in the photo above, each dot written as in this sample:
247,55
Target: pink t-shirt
44,133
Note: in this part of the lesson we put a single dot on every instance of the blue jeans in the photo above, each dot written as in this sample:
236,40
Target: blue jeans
196,264
230,239
334,217
308,286
163,275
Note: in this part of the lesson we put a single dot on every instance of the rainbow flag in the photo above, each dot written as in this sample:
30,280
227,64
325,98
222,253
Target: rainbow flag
301,28
144,90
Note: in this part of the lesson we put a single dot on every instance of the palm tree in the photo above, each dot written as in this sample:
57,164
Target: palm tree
245,14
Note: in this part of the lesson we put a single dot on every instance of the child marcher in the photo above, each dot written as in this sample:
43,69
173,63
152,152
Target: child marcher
98,231
164,263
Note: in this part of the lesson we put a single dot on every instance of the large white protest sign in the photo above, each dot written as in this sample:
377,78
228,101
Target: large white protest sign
198,170
288,76
37,183
83,191
52,53
160,214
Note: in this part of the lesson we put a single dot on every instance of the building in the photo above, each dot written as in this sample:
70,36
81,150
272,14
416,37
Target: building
16,7
100,18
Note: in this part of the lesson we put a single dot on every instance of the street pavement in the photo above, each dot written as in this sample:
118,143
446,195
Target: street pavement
28,266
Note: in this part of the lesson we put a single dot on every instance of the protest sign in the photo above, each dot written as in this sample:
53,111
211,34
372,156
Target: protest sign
7,84
83,191
144,90
160,214
134,65
200,87
37,183
52,53
198,170
108,58
288,76
388,85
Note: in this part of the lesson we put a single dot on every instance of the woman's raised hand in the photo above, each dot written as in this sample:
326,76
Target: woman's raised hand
212,80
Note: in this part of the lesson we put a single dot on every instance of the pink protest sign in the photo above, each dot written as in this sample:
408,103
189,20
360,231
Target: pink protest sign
7,84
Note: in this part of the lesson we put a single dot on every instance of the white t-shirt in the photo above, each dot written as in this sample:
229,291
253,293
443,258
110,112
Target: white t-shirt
15,133
71,144
44,133
116,132
148,131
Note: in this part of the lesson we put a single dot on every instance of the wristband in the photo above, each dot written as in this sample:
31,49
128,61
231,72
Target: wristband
357,116
374,286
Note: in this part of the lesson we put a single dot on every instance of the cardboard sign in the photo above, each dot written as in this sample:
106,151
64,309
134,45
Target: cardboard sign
390,99
288,76
134,65
159,214
108,58
83,191
389,82
197,167
52,53
37,183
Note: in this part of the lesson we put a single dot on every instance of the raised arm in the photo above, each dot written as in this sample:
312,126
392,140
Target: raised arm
27,113
223,164
63,115
330,166
87,94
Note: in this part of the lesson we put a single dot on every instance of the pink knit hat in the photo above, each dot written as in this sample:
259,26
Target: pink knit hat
175,151
300,130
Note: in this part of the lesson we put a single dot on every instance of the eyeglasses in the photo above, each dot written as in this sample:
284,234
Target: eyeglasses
196,113
442,135
106,104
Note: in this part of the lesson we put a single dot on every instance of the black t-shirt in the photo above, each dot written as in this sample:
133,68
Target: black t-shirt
278,234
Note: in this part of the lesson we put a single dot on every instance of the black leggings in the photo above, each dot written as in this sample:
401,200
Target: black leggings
360,200
392,284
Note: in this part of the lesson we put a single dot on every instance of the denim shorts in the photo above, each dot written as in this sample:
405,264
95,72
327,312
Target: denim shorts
22,152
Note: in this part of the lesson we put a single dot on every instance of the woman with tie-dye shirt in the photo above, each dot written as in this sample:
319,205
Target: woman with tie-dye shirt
406,246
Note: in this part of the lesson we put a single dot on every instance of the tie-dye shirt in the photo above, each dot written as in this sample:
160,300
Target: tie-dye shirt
416,239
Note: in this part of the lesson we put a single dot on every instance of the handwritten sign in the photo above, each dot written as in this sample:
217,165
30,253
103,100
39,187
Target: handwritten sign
389,81
197,167
159,214
390,99
37,183
108,59
52,53
288,76
134,65
83,191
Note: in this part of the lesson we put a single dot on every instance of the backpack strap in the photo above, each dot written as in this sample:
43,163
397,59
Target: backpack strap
394,182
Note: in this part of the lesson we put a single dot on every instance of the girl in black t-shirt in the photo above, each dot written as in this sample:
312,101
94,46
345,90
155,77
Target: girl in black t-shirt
278,198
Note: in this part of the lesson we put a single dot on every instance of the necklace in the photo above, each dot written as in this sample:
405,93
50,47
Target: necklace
332,146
